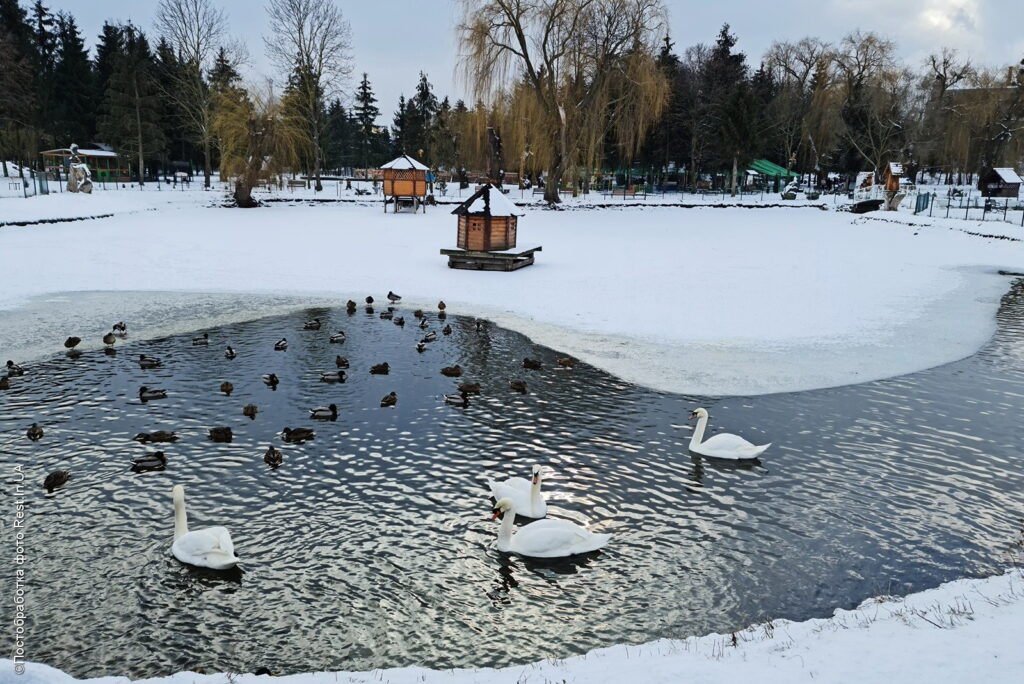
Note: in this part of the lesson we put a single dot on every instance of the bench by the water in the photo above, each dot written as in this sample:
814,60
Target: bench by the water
489,261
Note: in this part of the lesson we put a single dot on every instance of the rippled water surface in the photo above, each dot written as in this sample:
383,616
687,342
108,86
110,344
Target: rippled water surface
372,546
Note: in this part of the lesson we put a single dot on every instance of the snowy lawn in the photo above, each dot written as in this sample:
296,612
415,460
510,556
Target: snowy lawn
704,301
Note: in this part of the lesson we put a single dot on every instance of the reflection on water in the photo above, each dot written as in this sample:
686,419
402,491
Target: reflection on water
372,545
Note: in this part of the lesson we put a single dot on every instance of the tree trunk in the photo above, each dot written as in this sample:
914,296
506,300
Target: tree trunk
734,162
243,194
554,179
138,128
207,160
316,164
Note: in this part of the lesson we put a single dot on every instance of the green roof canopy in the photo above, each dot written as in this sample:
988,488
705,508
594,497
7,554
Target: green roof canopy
766,168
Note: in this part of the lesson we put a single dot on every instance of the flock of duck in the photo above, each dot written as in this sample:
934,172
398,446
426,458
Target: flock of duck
213,548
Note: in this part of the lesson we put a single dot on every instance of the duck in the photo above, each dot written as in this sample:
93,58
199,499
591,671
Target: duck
549,538
525,494
531,364
109,339
57,478
452,371
210,547
424,324
460,399
145,393
34,433
221,434
273,457
479,325
380,369
338,337
153,461
158,436
298,434
350,306
341,362
281,345
329,412
418,313
518,386
393,298
429,337
421,347
227,388
149,361
250,411
5,382
230,353
567,363
333,376
470,387
202,339
400,321
120,329
387,315
441,306
447,329
723,445
389,399
270,379
369,301
72,342
14,369
311,325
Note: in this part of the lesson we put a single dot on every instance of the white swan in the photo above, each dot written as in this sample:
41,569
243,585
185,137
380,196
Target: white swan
723,445
548,538
525,494
210,547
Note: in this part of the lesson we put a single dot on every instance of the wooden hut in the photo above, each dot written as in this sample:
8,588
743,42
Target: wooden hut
487,227
891,175
405,179
999,183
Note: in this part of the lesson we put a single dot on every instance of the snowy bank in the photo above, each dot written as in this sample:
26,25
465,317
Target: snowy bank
967,630
701,301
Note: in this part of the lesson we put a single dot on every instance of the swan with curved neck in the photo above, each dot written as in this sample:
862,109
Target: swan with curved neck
548,538
524,493
210,547
723,445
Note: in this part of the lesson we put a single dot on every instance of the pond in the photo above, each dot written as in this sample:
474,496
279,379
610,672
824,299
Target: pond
372,545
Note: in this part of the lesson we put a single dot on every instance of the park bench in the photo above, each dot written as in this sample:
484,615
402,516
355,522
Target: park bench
297,184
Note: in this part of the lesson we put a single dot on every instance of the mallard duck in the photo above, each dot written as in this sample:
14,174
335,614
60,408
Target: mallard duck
518,386
369,300
333,376
145,393
470,387
389,399
531,364
158,436
386,315
341,362
452,371
429,337
281,345
153,461
120,329
5,383
329,412
380,369
441,306
227,388
311,325
109,339
400,321
149,361
221,434
35,433
273,457
57,478
447,330
230,353
270,379
460,399
298,434
393,298
418,313
479,325
424,324
338,337
14,369
72,342
350,306
202,339
250,411
567,363
421,347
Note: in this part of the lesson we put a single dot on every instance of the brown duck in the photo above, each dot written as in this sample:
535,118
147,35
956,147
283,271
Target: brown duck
380,369
273,457
57,478
389,400
227,388
452,371
221,434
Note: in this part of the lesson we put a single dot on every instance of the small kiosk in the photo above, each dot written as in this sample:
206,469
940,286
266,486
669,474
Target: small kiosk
405,179
999,183
487,230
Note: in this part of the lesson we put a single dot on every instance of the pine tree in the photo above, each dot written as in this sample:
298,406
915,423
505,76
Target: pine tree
223,74
400,127
420,113
366,113
74,109
108,49
341,132
44,50
17,86
726,111
180,146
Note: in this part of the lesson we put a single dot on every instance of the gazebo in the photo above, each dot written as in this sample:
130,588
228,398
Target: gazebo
405,178
487,227
103,163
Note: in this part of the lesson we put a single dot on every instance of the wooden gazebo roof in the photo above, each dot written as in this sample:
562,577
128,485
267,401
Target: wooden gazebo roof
404,162
488,201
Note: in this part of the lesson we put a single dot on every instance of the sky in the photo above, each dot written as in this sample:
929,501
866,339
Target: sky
393,40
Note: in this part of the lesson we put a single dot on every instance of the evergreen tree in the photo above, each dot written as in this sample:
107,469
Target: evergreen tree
223,74
44,51
74,109
366,113
17,86
400,128
342,128
726,104
420,112
108,49
180,146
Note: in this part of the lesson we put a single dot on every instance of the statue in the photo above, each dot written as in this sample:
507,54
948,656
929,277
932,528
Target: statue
78,173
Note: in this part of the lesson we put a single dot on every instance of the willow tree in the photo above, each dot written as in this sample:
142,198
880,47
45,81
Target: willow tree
258,139
580,60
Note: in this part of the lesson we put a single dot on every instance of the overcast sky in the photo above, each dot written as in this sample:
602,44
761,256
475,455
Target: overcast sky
393,40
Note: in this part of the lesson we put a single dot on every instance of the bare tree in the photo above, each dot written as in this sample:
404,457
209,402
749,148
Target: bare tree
309,43
194,28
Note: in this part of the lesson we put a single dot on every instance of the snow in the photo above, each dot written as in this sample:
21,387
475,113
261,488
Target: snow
491,202
1008,175
963,631
713,301
895,169
404,162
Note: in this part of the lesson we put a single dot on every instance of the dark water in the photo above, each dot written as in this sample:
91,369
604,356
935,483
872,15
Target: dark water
372,545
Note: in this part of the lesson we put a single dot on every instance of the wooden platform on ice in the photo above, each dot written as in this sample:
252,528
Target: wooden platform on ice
489,261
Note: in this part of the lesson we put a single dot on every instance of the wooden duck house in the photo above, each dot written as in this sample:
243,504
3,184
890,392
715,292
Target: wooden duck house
487,231
405,179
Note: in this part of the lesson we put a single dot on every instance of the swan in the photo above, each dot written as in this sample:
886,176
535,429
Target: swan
722,445
545,538
525,494
210,547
